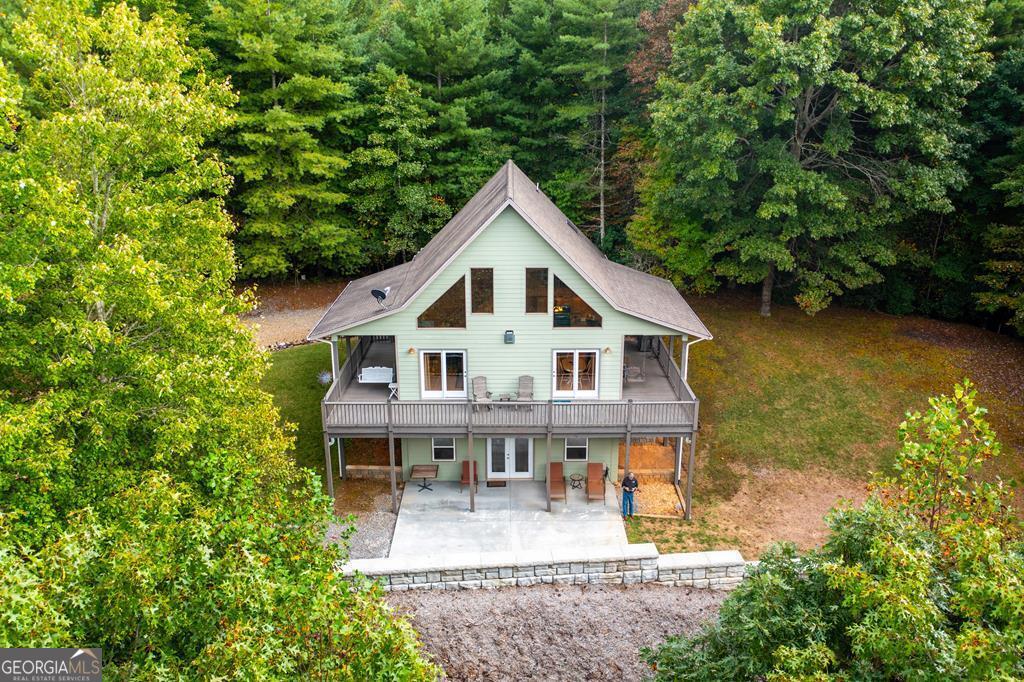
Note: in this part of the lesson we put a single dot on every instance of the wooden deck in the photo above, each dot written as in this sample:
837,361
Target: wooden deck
660,404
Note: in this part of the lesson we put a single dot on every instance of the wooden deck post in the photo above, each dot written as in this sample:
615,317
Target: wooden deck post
327,462
341,458
327,453
679,458
391,460
471,455
547,465
629,437
691,463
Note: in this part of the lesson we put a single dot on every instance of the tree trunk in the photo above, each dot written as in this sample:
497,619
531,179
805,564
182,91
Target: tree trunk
604,134
766,292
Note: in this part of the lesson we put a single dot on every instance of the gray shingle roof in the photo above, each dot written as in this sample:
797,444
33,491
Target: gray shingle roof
628,290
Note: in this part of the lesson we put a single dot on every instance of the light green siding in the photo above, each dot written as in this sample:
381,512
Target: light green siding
509,245
418,451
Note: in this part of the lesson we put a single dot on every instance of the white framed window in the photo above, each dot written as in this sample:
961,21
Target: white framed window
574,373
577,449
442,449
443,374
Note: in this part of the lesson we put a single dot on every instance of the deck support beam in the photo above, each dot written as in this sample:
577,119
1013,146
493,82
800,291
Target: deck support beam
691,463
391,461
547,465
327,463
679,459
629,439
341,458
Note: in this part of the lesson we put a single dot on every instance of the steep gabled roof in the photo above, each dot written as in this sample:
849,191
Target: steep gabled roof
627,290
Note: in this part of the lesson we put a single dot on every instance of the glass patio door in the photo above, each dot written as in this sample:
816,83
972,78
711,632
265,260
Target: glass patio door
575,374
509,458
444,373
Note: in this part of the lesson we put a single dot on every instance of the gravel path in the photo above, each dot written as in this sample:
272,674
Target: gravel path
552,632
374,529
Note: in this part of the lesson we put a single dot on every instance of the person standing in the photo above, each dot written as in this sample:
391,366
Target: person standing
629,488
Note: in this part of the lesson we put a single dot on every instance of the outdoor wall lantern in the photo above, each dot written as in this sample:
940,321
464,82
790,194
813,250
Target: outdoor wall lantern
510,336
411,351
607,350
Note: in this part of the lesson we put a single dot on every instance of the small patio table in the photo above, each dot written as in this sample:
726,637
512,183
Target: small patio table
576,481
425,472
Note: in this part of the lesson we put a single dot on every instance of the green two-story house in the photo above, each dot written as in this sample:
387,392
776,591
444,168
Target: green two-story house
511,340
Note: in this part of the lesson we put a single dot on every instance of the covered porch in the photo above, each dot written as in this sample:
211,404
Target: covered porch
513,518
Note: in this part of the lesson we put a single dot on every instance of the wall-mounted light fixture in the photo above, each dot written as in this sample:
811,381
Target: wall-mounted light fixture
411,351
510,336
607,350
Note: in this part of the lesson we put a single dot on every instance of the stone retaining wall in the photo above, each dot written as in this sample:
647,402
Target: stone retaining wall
608,565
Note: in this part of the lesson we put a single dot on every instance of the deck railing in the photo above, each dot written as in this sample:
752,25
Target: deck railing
538,416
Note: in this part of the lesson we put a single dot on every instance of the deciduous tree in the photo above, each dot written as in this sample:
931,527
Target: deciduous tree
792,135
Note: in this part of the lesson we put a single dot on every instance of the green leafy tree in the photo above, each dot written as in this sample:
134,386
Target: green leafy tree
792,135
147,501
924,582
390,189
291,63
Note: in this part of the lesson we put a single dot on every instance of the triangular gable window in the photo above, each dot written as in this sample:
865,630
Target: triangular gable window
449,310
571,310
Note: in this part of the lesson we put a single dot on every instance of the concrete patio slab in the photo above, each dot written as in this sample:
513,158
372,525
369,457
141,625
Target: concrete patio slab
509,519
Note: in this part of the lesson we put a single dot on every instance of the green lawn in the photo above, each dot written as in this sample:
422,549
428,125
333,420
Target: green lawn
292,380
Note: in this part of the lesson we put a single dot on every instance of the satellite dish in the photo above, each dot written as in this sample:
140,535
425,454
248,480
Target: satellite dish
381,295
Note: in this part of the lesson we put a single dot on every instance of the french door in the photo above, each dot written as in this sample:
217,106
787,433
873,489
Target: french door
443,373
574,374
509,458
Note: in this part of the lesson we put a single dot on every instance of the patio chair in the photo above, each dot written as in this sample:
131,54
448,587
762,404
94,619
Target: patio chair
480,392
556,481
525,392
595,481
464,481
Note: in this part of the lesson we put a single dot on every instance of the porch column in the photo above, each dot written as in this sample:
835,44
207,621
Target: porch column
391,459
629,438
335,364
327,462
679,458
547,470
691,463
341,458
469,452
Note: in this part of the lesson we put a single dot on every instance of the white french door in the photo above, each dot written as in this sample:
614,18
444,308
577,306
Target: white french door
509,458
443,374
574,374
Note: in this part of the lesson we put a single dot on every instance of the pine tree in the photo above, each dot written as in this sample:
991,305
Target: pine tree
596,38
290,65
446,47
390,187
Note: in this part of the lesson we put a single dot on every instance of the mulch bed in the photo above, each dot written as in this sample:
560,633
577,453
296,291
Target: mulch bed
552,632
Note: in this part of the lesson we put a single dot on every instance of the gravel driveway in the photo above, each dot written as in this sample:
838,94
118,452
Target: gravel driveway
552,632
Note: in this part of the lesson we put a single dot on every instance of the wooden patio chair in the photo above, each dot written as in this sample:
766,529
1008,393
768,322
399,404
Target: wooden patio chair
556,481
481,396
525,392
464,481
595,481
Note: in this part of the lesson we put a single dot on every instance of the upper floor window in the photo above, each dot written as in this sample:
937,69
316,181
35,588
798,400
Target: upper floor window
481,290
536,290
447,311
571,310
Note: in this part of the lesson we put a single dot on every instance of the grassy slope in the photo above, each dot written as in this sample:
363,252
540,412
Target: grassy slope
292,380
823,393
827,391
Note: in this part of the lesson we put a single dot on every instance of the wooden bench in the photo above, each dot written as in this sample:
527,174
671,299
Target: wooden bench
424,472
